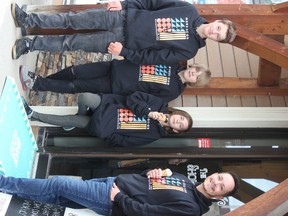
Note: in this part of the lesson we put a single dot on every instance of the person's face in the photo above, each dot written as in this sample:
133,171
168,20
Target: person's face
218,184
178,123
216,31
191,75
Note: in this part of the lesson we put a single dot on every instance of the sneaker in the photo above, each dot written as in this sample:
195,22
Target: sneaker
27,78
19,16
21,47
28,110
66,128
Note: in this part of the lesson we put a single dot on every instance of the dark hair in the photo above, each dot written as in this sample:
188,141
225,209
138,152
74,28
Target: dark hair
173,111
236,182
231,32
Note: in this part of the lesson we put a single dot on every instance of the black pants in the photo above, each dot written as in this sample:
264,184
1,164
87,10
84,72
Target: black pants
80,120
91,77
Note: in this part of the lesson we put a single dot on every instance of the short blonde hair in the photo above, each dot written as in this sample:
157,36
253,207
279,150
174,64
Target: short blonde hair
203,78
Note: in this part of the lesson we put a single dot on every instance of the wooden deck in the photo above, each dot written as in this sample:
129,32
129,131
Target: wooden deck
225,60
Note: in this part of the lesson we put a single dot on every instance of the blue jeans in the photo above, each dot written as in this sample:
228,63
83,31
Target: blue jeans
110,23
93,194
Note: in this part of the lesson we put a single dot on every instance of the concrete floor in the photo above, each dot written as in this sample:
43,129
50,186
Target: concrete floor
9,33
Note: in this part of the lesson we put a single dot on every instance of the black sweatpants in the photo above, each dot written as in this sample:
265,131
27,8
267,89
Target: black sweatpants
91,77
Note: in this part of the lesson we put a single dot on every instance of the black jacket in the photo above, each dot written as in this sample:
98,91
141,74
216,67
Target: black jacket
161,31
123,121
159,80
168,196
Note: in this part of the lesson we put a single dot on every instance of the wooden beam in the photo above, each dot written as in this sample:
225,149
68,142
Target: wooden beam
273,202
259,17
262,46
281,7
237,87
269,74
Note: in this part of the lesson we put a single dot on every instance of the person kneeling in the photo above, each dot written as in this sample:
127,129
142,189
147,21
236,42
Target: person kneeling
137,119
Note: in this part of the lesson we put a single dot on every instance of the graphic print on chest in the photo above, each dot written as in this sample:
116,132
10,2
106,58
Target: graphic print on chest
155,73
172,29
128,121
171,183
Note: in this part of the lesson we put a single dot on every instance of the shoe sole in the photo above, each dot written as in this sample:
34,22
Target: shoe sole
13,9
21,79
14,50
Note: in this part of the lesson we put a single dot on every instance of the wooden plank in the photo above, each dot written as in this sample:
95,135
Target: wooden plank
273,202
248,101
269,73
263,101
176,102
215,64
228,60
189,101
202,58
277,101
237,86
281,7
205,101
233,101
254,64
262,46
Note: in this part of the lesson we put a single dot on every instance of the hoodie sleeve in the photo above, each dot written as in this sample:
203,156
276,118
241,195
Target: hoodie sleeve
155,56
153,4
131,207
142,103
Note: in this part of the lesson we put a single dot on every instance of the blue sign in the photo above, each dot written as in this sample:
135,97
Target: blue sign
17,146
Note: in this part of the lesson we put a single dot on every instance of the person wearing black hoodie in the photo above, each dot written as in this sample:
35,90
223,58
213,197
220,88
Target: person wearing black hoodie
142,31
137,119
119,77
153,193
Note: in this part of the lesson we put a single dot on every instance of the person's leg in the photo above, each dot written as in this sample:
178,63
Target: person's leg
98,19
93,194
85,101
88,100
92,77
53,85
78,121
94,42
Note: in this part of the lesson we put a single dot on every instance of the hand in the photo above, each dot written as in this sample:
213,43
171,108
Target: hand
114,191
115,48
155,173
157,116
114,5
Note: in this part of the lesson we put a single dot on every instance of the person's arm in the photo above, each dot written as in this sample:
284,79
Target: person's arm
155,56
153,4
117,139
142,104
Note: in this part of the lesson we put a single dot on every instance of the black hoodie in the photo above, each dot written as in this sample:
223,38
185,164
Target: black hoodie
161,31
160,80
168,196
123,121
